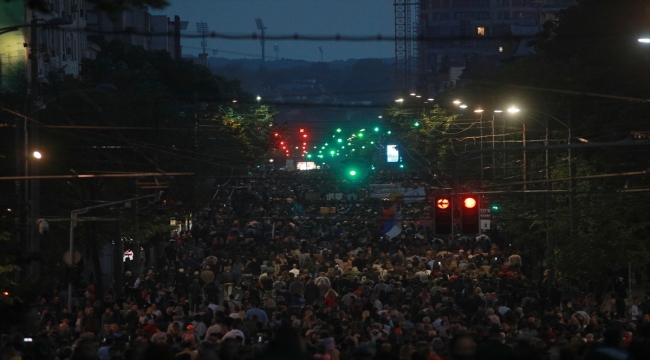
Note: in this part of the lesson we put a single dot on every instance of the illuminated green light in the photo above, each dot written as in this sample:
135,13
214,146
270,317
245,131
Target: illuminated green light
353,149
326,144
332,152
353,172
401,166
333,136
342,147
389,132
340,140
372,142
376,129
494,207
363,147
373,167
320,151
360,135
309,155
338,130
349,143
416,124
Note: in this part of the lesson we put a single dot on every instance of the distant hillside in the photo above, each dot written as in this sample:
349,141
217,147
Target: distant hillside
337,81
281,63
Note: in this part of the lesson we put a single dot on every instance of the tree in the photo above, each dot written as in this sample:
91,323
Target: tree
109,6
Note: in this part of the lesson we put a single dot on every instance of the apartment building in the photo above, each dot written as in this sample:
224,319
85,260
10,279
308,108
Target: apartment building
478,35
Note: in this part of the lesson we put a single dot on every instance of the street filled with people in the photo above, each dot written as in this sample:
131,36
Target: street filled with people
295,264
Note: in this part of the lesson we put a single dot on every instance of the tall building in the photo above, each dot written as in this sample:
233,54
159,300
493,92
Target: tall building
167,34
467,37
133,26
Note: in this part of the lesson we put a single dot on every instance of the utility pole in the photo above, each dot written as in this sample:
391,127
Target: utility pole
32,166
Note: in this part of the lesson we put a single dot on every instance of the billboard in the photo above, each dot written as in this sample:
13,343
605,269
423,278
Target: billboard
392,154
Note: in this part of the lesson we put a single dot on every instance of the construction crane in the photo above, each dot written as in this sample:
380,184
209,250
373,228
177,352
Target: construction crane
406,45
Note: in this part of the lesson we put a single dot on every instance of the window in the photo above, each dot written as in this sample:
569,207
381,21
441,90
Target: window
480,31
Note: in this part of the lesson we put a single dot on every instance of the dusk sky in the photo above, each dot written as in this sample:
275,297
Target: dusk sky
282,17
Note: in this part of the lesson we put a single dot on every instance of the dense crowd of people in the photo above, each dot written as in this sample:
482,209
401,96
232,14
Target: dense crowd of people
263,274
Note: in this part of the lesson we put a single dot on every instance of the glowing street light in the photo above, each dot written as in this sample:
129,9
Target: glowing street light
478,111
513,110
457,102
644,40
462,106
37,155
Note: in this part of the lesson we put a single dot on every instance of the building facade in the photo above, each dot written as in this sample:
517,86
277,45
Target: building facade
465,36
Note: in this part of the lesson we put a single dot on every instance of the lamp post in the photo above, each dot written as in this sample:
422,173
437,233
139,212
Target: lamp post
480,111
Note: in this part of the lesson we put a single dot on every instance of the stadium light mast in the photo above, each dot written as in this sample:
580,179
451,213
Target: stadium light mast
262,29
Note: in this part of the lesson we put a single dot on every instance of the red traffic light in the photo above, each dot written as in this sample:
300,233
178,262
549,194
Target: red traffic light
304,136
276,134
442,203
469,202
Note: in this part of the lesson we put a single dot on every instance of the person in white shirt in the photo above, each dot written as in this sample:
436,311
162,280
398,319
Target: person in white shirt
295,270
214,329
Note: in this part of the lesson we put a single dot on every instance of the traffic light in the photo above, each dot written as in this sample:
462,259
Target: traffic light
470,214
442,215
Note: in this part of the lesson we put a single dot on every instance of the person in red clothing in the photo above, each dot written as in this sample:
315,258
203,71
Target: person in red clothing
150,329
330,298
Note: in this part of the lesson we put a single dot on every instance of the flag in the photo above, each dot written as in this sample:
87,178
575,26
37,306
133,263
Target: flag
393,219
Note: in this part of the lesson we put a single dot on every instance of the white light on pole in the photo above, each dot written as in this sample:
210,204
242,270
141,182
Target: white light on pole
513,110
37,154
462,106
644,40
478,111
457,102
498,111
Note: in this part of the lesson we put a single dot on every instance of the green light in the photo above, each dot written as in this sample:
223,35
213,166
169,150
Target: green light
349,143
326,144
320,151
332,152
416,124
360,135
340,140
389,132
373,167
338,130
376,129
333,136
372,142
309,156
353,172
363,147
494,207
353,149
401,166
342,147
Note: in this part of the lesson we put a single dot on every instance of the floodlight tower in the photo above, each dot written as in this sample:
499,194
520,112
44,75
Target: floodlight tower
262,29
202,28
276,48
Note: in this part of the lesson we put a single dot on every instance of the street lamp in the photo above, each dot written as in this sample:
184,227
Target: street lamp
644,40
37,154
513,110
462,106
457,102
